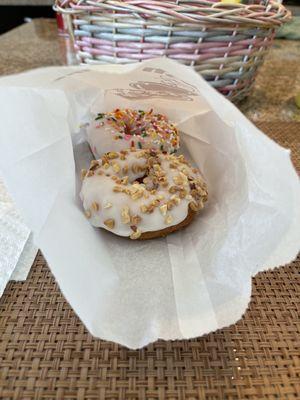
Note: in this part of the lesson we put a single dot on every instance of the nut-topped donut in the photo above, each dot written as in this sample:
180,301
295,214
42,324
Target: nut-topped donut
124,128
141,194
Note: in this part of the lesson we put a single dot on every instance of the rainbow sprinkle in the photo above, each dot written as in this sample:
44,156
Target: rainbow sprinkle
137,125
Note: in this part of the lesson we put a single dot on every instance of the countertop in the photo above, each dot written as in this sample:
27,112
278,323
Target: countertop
37,44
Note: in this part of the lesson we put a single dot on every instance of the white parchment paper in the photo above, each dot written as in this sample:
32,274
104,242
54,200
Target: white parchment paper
190,283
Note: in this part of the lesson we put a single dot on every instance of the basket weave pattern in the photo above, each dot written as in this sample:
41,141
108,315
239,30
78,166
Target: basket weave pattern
224,42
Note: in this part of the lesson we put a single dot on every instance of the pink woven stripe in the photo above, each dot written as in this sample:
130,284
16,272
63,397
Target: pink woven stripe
205,47
137,45
145,55
103,52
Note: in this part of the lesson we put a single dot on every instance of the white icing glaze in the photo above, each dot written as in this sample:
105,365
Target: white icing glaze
99,189
104,136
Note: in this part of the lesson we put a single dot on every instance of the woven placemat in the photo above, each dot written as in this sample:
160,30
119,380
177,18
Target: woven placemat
46,353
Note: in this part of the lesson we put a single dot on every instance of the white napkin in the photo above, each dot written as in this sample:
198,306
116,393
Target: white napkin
190,283
17,251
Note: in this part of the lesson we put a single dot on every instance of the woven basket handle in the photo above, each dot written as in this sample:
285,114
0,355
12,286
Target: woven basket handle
60,6
273,13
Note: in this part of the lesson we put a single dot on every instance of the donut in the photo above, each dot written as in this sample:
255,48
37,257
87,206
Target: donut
120,129
141,194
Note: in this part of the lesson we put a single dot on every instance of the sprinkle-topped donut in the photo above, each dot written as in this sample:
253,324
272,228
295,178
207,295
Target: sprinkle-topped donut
125,128
141,193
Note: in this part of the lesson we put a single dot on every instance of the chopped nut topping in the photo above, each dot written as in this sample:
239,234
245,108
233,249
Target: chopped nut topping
135,219
136,195
94,165
88,214
160,174
174,189
173,165
151,161
162,180
168,219
170,204
83,173
184,185
110,223
176,199
185,171
143,208
133,227
117,189
136,191
179,179
112,154
125,217
136,234
116,167
194,206
195,194
203,191
182,193
95,206
104,160
140,154
155,202
163,209
150,209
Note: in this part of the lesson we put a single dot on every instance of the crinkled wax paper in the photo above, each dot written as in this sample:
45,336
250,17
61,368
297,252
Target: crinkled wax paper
190,283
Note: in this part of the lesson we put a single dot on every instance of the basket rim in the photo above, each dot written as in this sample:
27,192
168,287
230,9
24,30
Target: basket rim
205,12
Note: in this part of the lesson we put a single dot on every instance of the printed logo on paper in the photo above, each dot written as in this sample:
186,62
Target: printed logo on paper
167,87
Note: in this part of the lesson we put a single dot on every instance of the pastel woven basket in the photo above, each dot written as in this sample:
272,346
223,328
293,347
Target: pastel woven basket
224,42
